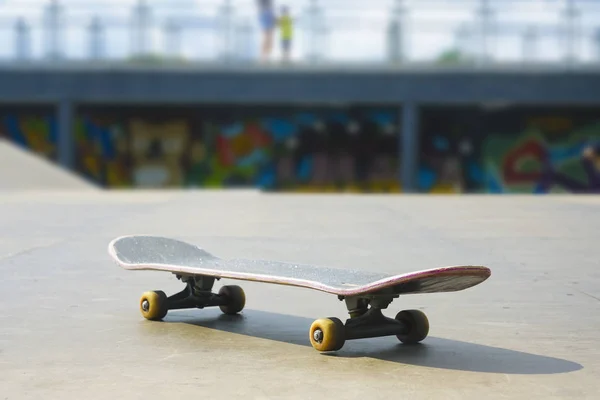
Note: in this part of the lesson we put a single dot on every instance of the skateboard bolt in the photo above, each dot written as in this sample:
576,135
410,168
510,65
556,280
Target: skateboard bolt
145,305
318,335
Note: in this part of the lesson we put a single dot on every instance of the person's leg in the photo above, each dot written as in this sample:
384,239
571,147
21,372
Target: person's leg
285,44
265,45
269,43
267,22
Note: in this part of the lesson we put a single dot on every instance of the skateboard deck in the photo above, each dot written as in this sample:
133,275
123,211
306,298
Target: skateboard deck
165,254
366,294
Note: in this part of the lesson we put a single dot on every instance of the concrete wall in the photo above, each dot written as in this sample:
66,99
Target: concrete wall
223,84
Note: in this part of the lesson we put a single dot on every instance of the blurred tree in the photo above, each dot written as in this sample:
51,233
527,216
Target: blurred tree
452,56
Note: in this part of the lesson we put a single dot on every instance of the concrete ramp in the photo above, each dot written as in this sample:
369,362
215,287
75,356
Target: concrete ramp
23,170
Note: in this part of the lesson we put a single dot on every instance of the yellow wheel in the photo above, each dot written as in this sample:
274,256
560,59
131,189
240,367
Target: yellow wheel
417,323
235,297
327,334
153,305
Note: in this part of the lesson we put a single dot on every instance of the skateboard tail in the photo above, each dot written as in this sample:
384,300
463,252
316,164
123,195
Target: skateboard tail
438,280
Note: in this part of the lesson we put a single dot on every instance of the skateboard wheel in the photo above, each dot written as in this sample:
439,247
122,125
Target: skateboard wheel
153,305
327,334
235,297
417,323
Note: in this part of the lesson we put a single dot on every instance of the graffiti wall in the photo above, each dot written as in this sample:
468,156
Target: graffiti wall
450,150
510,150
542,150
135,147
31,127
333,150
271,148
467,149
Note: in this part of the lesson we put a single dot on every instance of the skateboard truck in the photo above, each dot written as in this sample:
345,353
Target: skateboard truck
197,293
367,321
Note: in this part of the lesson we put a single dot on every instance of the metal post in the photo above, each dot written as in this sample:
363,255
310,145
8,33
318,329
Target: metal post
529,44
570,14
461,37
22,40
322,36
52,25
96,38
409,146
66,151
173,38
313,22
485,14
226,30
395,32
244,43
597,43
141,25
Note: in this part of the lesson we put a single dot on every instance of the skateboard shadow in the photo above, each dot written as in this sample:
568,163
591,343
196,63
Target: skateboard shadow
433,352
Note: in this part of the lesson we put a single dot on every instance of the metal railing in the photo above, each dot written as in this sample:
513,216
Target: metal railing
467,32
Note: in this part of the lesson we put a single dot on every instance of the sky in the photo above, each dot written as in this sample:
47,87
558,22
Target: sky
357,28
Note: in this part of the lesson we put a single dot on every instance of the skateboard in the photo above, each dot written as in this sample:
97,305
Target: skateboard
365,294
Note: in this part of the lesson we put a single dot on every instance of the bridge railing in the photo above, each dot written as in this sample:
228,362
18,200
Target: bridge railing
468,32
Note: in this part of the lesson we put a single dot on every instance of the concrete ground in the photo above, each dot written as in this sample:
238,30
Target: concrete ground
70,323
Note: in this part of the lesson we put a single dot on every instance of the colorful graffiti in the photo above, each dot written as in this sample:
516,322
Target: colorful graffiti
450,150
102,151
462,150
324,150
229,154
514,150
534,163
157,151
33,128
335,150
